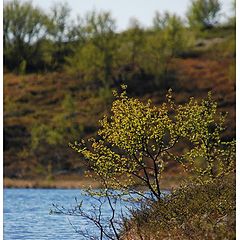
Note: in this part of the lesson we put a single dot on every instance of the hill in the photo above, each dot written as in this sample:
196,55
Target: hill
37,104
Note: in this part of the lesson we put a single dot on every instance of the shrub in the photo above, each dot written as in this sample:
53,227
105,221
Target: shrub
55,135
94,59
138,140
169,39
131,150
191,212
24,28
203,13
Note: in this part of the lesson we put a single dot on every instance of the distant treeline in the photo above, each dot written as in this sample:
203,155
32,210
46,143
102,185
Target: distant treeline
89,46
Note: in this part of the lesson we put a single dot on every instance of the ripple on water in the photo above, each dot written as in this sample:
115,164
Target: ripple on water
26,214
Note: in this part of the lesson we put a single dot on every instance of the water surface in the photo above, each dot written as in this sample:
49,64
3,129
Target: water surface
26,214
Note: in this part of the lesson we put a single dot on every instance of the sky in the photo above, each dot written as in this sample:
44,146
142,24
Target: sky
123,10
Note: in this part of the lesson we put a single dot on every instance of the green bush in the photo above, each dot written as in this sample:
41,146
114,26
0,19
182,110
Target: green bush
203,14
24,26
169,39
49,140
130,152
138,140
94,59
22,67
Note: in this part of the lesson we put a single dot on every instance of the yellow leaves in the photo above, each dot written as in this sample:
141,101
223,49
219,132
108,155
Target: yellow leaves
138,132
132,121
124,87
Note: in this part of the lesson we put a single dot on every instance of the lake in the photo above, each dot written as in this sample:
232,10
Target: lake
26,214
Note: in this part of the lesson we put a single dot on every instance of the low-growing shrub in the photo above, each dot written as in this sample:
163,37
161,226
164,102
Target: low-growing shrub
192,212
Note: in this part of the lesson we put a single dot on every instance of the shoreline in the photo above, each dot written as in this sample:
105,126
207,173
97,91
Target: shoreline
52,184
167,183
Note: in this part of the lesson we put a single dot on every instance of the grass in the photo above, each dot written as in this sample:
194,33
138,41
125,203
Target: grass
191,212
71,180
50,183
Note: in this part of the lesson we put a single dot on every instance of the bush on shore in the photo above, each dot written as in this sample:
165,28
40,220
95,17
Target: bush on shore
195,211
133,147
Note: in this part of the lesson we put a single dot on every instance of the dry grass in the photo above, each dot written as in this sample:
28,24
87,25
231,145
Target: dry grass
42,183
168,182
192,212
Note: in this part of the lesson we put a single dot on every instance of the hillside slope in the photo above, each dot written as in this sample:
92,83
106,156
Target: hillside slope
36,99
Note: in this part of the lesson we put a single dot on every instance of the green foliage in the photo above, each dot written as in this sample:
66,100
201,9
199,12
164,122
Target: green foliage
133,41
203,128
95,59
58,29
10,107
170,38
24,25
129,54
90,47
44,57
203,14
156,57
106,95
55,135
87,62
138,140
38,134
59,21
30,33
61,127
104,55
175,35
22,67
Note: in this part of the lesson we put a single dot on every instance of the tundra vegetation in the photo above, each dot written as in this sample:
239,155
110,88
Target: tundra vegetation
51,56
59,77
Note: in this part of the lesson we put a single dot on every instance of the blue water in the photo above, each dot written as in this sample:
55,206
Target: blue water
26,214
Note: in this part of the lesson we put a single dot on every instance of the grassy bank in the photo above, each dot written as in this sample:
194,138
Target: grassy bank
192,212
169,181
43,183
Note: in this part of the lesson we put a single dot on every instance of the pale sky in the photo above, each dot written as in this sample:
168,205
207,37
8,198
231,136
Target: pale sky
123,10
